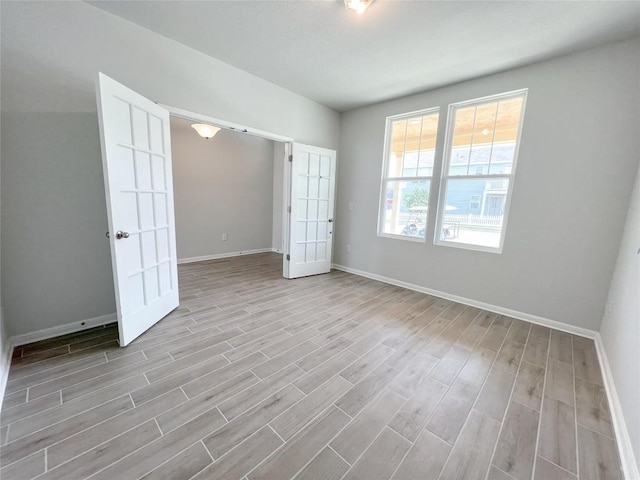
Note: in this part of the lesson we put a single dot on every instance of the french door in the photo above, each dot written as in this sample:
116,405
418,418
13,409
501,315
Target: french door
310,220
136,158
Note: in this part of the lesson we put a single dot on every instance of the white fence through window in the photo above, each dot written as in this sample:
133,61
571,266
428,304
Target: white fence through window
474,220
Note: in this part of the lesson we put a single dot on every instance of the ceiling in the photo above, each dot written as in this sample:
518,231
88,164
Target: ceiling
338,58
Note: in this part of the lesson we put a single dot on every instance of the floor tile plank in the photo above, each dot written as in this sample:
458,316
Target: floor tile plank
381,459
242,427
184,465
558,434
471,454
516,448
20,448
452,411
291,421
425,459
326,466
67,410
592,407
546,470
366,363
364,428
413,415
598,456
325,371
529,385
244,458
366,390
26,468
536,351
585,360
104,455
302,448
13,414
560,382
177,415
147,458
560,348
94,436
495,394
290,356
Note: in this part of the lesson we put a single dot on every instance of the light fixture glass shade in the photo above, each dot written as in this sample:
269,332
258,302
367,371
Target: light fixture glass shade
358,6
204,130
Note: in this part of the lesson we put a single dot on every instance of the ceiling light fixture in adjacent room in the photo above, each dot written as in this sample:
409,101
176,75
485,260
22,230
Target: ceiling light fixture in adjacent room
358,6
204,130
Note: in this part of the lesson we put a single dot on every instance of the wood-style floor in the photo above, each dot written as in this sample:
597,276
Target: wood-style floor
327,377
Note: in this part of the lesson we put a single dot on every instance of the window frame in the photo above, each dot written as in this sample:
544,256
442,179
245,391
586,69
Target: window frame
478,201
446,161
385,178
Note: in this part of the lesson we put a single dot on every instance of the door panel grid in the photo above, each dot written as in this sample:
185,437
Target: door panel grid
313,211
149,217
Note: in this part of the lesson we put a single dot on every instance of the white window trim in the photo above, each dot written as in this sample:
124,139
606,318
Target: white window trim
446,159
384,179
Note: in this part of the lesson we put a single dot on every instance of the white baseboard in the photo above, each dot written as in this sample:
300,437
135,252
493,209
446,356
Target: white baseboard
72,327
5,364
223,255
276,250
625,448
583,332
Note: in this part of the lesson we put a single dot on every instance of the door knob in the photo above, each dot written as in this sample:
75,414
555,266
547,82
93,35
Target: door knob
120,234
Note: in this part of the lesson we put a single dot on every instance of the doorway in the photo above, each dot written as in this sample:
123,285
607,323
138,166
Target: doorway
226,193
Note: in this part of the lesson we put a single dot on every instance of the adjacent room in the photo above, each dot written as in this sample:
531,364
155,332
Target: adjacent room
227,193
332,239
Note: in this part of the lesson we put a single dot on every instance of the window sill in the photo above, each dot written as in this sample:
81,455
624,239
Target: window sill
408,238
468,246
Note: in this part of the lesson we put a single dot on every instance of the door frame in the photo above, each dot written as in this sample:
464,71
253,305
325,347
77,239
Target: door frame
236,127
286,206
286,168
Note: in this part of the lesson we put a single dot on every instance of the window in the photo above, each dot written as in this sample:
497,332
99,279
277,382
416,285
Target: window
406,177
477,175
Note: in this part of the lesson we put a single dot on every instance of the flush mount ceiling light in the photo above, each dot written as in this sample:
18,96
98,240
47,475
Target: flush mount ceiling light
358,6
204,130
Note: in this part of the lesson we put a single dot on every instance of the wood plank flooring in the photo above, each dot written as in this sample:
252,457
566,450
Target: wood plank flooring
327,377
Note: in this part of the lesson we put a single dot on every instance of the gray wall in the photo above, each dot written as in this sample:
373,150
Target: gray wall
221,185
56,267
578,157
620,329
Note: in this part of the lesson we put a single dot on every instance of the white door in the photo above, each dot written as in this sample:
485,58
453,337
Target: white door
312,187
136,157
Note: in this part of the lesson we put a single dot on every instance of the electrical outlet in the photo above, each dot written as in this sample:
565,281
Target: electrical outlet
348,249
225,237
350,206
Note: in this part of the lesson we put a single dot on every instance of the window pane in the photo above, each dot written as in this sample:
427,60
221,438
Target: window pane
398,135
405,208
474,211
484,138
412,146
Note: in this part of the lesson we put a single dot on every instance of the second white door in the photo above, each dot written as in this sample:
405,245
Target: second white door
312,187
